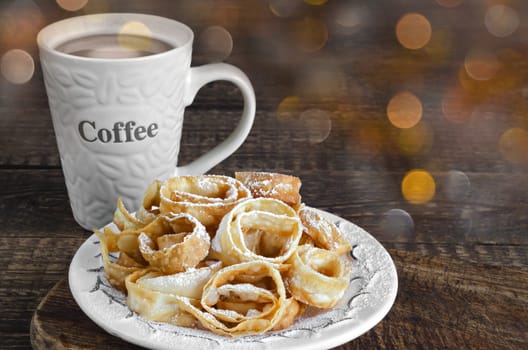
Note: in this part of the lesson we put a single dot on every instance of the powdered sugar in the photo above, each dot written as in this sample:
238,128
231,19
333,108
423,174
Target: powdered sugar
366,301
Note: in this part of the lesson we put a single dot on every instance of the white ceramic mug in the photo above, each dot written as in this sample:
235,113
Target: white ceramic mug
118,121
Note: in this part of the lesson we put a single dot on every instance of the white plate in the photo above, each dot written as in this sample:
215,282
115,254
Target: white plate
368,299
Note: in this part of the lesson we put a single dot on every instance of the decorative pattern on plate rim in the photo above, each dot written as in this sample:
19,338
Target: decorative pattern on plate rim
371,281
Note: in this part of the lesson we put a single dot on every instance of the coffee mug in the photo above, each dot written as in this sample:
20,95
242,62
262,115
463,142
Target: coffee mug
117,86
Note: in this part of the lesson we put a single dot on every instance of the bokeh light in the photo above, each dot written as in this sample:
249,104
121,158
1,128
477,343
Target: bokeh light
501,20
284,8
397,225
418,186
221,13
95,7
317,123
289,108
351,16
315,2
416,140
19,24
481,64
413,31
513,145
465,222
404,110
17,66
496,73
450,3
310,34
72,5
457,185
135,36
216,43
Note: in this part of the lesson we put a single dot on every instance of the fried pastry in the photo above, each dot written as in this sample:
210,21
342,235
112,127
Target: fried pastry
262,229
158,305
242,299
323,233
317,277
272,257
127,240
187,284
292,310
124,220
182,245
116,272
206,197
272,185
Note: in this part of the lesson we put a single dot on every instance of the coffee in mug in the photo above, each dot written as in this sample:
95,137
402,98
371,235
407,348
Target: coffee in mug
117,100
114,46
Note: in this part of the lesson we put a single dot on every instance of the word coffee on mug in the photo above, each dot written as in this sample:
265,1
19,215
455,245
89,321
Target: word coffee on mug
120,132
117,87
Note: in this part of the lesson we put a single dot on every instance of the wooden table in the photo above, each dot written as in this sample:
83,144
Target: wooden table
324,76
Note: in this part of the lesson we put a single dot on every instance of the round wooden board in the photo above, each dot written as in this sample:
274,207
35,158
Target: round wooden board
59,323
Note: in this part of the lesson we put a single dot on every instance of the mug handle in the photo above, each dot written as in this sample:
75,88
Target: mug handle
198,77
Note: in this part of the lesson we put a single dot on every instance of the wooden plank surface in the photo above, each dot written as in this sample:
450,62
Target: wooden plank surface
39,236
429,287
359,135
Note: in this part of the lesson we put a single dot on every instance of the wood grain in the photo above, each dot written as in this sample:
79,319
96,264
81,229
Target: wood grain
48,332
441,300
360,136
39,235
462,257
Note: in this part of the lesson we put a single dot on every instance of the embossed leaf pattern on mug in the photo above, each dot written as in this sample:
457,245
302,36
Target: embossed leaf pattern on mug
100,172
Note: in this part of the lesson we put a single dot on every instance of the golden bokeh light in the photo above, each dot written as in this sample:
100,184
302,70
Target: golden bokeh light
17,66
289,107
481,64
501,20
513,145
135,36
216,43
317,123
72,5
404,110
316,2
220,13
284,8
416,140
502,69
413,31
310,34
96,7
450,3
418,186
19,25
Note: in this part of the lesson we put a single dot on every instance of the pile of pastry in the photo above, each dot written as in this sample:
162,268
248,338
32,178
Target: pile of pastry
236,256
